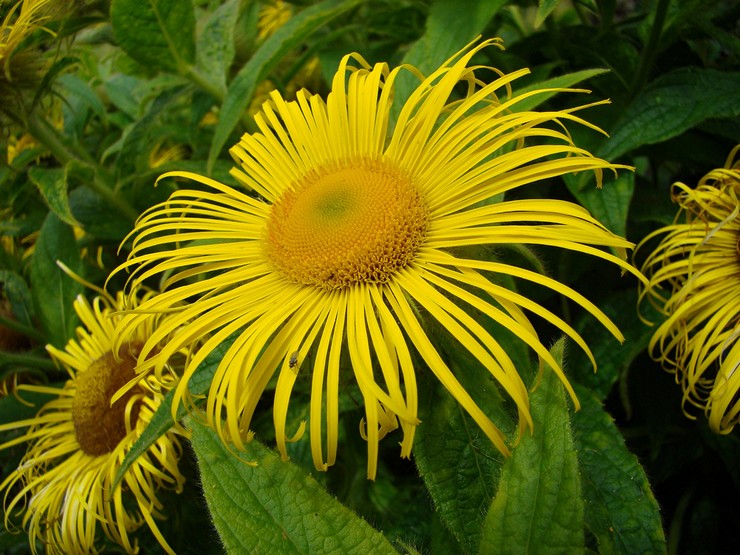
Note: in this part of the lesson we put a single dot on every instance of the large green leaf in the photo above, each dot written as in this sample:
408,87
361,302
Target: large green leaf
53,290
156,33
449,26
285,39
216,44
672,104
538,507
620,509
458,463
52,184
275,507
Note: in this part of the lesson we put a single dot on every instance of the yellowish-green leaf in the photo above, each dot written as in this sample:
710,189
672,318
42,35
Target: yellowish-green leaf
52,184
53,290
275,507
156,33
620,509
538,508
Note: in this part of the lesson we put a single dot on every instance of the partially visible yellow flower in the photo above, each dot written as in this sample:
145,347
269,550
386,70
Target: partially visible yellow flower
163,153
695,283
353,250
23,19
18,145
26,141
273,14
77,442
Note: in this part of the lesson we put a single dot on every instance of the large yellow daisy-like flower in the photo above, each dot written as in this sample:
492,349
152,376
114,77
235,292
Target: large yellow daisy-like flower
695,282
78,440
349,253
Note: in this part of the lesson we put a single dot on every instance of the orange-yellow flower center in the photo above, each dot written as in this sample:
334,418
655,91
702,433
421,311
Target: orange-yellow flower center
100,426
359,221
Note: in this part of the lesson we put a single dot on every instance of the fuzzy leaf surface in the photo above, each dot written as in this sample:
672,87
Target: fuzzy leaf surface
275,507
538,507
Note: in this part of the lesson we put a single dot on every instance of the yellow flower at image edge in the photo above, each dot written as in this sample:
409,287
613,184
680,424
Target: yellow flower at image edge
351,250
77,442
695,283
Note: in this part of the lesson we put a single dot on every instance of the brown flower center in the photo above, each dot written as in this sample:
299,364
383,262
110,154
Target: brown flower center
100,426
359,221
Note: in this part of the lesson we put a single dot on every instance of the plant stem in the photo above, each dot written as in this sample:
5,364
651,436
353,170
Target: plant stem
26,360
648,55
22,328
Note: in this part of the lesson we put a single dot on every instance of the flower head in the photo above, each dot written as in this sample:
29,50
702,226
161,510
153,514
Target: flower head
349,252
78,440
695,283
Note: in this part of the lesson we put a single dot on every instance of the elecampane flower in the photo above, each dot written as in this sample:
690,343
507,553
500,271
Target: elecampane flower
695,283
349,251
77,441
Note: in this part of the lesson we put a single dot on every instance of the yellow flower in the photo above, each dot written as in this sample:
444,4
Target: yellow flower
352,249
77,442
272,15
695,283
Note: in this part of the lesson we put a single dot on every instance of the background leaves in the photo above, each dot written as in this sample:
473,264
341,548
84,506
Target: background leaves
121,95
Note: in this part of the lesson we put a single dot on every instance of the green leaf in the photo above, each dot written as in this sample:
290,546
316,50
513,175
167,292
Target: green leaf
544,9
52,289
285,39
670,105
16,290
216,44
613,358
52,184
610,204
139,138
562,81
457,462
156,33
275,507
538,507
620,509
450,26
96,215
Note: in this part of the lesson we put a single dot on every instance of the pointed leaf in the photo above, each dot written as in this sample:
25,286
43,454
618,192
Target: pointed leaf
620,509
16,290
538,507
53,290
52,184
457,462
156,33
672,104
544,9
216,43
286,38
275,507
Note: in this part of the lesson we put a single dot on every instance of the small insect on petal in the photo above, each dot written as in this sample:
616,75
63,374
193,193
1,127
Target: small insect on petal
293,361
